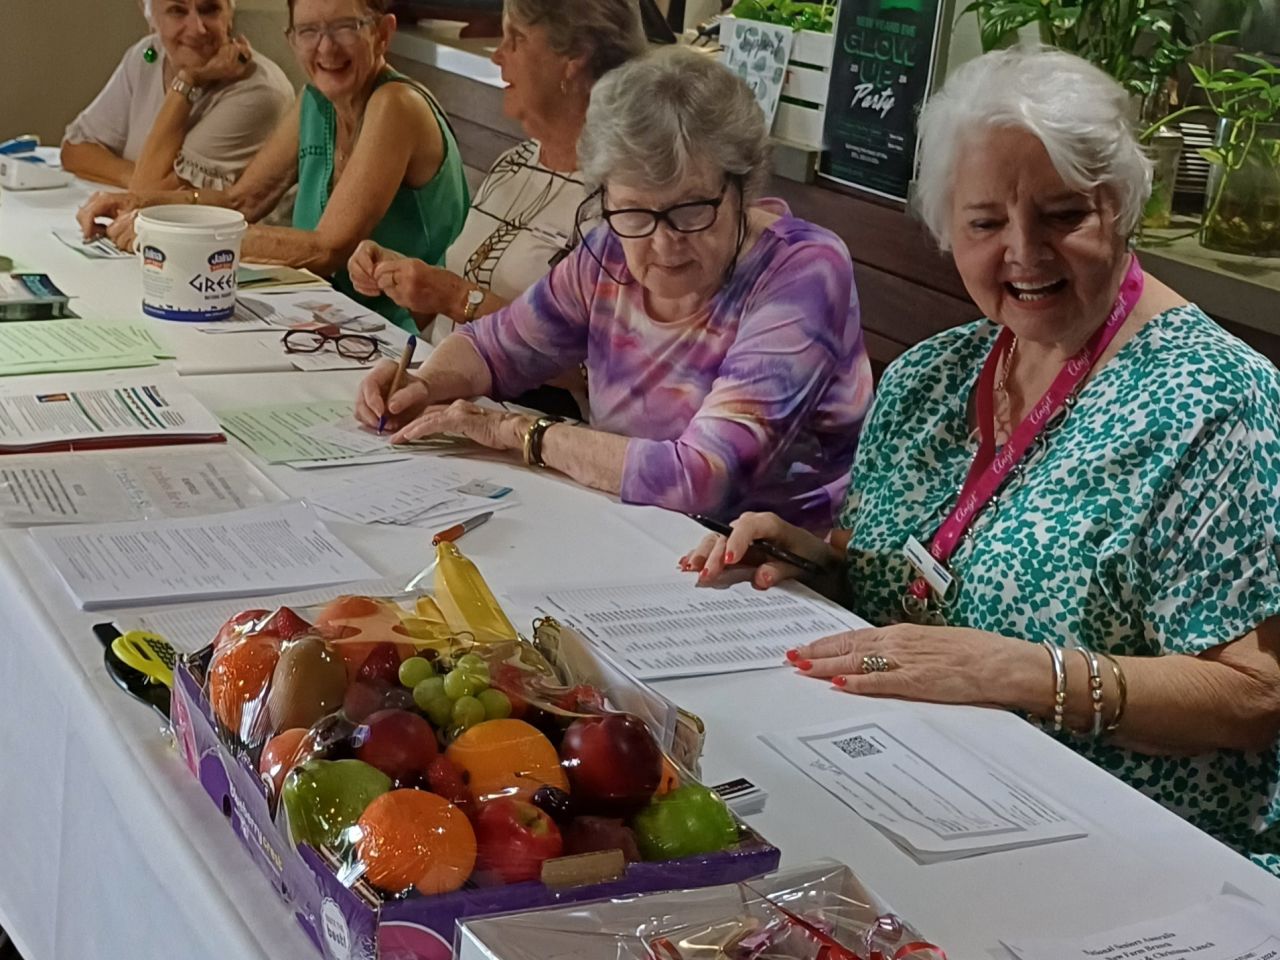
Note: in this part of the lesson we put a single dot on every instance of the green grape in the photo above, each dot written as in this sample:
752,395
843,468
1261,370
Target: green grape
467,712
427,690
496,704
414,670
460,683
471,663
439,711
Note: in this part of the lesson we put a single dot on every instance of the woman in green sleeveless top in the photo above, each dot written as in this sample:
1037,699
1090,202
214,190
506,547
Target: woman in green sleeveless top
370,151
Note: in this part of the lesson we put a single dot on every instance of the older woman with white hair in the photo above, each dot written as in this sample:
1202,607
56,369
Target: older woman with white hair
725,361
1067,508
188,106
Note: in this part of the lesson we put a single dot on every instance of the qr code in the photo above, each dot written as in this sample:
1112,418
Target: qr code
857,747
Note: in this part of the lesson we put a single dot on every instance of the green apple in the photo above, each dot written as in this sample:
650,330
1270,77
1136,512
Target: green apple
687,821
324,797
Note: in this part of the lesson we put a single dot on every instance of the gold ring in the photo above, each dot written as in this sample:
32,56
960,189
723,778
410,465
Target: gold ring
874,663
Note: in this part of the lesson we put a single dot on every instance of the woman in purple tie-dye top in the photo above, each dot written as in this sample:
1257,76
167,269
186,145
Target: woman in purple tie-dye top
720,335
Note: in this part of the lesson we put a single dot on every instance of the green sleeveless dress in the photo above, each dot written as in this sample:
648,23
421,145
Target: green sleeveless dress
420,222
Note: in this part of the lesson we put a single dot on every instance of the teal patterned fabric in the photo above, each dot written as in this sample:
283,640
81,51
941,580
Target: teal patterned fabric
1145,524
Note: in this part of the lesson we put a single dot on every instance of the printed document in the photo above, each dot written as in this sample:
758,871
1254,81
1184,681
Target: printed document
283,433
929,793
101,410
1228,927
92,488
405,494
99,248
248,553
674,629
50,346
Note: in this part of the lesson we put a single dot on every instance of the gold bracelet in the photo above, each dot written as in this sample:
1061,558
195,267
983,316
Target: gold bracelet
1059,683
1095,688
533,440
1122,686
195,198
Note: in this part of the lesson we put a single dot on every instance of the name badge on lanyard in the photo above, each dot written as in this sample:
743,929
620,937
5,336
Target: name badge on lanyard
934,573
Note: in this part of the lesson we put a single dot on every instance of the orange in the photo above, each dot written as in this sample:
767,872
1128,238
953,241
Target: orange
366,622
506,758
411,838
240,675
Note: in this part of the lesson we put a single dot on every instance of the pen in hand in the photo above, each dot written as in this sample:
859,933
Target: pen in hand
410,345
764,546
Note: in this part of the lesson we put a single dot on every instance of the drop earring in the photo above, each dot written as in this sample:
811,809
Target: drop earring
149,54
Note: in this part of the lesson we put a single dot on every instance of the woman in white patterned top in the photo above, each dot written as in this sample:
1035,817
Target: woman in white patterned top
521,220
188,106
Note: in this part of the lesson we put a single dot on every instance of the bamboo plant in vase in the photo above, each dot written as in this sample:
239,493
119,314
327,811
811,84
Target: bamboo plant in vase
1242,200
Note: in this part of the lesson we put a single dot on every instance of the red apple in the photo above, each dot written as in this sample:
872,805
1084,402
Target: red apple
447,780
513,838
399,743
613,762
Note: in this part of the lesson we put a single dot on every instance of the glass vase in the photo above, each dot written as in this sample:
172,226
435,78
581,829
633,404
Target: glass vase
1242,201
1164,149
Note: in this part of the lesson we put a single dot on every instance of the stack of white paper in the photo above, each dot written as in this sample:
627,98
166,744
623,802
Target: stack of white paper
929,793
419,492
1228,927
99,248
676,629
243,554
92,488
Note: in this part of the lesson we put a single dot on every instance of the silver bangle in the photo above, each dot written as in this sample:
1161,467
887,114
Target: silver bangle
1059,683
1095,689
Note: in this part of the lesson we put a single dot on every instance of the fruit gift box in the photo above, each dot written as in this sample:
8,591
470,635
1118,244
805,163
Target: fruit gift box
820,911
396,764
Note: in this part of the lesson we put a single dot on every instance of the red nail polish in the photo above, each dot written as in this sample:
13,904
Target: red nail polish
729,557
839,681
804,665
793,655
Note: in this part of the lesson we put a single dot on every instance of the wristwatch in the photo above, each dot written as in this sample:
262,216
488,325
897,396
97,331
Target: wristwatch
188,90
475,297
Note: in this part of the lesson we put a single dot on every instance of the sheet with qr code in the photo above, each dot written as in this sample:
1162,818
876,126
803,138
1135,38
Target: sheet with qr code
933,796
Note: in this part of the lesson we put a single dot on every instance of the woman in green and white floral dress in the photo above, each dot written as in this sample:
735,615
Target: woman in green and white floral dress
1135,544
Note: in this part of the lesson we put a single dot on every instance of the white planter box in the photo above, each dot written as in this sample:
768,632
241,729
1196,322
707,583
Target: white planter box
808,77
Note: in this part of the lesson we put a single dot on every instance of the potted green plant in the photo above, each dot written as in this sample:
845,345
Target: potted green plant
1242,200
1138,42
815,15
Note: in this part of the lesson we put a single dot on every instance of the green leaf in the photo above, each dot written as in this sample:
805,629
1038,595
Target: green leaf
1213,156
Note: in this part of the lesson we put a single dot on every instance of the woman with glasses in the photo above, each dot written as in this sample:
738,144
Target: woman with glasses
1067,508
370,151
188,106
521,220
720,334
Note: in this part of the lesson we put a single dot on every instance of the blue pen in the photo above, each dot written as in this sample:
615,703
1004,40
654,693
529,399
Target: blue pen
410,345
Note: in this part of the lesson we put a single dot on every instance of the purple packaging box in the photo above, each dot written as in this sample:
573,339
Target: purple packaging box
344,924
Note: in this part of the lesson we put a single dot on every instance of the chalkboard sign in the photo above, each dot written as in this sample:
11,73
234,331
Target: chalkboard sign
886,54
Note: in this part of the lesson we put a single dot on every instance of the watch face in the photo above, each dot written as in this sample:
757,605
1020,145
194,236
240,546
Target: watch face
475,297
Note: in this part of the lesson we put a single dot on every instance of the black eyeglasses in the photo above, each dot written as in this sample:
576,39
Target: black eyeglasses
353,346
692,216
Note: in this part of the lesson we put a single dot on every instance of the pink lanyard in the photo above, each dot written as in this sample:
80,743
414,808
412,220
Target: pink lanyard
989,469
